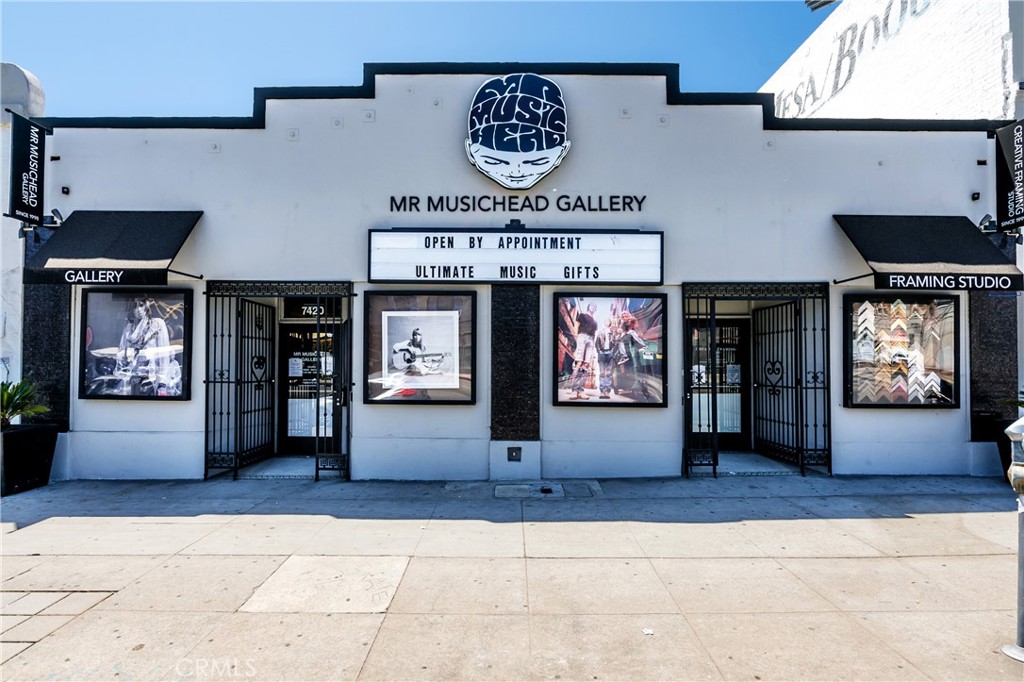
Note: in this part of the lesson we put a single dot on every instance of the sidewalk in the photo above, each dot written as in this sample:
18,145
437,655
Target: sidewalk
735,578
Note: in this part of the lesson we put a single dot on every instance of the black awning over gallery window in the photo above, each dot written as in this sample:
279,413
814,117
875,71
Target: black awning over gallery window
930,253
112,248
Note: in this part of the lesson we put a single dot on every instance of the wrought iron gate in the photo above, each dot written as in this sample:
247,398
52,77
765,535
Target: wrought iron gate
240,374
790,367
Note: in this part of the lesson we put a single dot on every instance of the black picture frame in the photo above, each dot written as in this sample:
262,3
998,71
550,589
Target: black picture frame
624,363
439,367
901,351
136,344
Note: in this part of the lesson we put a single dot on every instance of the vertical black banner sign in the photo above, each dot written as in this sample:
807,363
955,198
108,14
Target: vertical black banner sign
1010,177
28,151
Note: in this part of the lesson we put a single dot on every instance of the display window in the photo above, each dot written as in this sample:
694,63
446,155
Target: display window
420,347
609,350
902,351
136,344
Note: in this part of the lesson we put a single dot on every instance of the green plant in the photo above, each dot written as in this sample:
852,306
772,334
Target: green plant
1016,402
18,399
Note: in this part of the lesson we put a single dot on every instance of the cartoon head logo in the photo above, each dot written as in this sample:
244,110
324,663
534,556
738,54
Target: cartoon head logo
517,129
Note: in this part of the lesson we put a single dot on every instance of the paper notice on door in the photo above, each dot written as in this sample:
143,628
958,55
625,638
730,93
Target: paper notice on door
295,367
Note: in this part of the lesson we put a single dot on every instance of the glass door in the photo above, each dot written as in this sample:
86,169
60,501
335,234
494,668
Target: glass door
311,396
718,402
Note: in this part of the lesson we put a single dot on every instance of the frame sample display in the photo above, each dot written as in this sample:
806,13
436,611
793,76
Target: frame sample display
136,344
902,351
609,350
420,347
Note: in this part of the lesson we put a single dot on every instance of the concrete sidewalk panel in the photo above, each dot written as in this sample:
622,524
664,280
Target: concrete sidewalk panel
982,583
294,647
195,583
462,586
616,647
85,573
808,537
364,537
596,586
9,597
33,602
449,647
908,536
49,537
471,538
139,539
494,510
950,646
883,584
13,566
577,528
661,539
736,586
75,603
798,646
383,508
257,537
314,584
105,645
34,628
625,488
582,538
9,650
995,528
8,621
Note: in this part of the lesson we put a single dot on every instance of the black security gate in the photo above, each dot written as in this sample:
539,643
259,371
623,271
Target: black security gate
242,381
789,363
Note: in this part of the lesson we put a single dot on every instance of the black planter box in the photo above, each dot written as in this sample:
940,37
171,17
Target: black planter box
28,455
991,426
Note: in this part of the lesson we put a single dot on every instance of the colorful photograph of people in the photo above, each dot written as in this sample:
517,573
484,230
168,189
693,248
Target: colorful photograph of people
134,344
609,350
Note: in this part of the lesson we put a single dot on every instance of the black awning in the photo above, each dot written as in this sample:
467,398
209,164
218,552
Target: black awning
112,247
930,252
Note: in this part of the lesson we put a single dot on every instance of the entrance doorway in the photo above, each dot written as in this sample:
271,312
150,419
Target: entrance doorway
758,373
309,397
719,408
278,374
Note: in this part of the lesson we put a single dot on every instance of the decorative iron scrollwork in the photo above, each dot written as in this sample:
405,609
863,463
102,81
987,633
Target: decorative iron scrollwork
259,370
815,378
773,377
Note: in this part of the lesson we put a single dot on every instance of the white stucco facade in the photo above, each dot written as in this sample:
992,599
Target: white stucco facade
293,199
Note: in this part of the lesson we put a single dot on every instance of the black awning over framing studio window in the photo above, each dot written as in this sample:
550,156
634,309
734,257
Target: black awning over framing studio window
930,252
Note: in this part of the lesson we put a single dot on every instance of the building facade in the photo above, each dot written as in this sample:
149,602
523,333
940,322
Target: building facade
473,271
911,59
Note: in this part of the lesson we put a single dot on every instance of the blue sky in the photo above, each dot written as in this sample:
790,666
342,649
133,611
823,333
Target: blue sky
204,58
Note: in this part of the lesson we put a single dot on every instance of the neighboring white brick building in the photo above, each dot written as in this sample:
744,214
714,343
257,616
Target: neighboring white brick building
909,59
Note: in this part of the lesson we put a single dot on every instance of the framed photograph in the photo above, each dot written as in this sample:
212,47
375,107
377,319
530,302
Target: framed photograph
610,350
420,347
136,344
901,351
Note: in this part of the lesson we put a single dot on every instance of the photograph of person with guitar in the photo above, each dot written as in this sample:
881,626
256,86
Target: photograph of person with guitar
411,356
410,362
